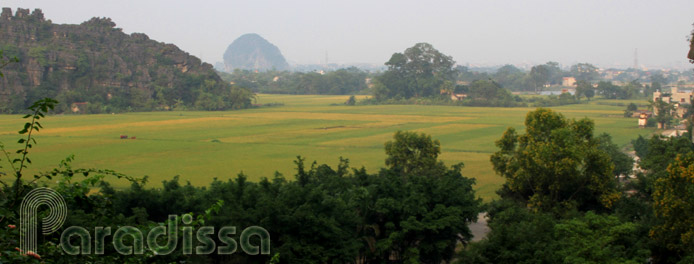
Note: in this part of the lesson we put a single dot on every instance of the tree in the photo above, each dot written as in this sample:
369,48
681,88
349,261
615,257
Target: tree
418,72
631,108
584,72
655,155
351,101
540,74
556,165
555,73
657,82
663,112
487,90
608,90
410,152
584,88
417,210
673,202
691,48
509,76
520,236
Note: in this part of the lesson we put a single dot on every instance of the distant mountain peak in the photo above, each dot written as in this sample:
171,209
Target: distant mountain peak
252,52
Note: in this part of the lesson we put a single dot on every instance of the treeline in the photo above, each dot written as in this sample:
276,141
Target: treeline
422,74
343,81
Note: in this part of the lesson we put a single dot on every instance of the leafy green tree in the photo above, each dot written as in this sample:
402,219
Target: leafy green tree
351,101
521,236
556,165
540,75
417,210
584,89
657,82
663,112
509,76
555,73
673,202
418,72
631,108
608,90
490,91
517,235
410,152
690,55
623,163
594,238
655,155
631,90
584,72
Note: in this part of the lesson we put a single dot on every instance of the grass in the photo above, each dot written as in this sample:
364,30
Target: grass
201,146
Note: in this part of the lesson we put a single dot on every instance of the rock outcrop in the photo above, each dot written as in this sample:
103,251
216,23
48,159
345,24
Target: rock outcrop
253,52
96,63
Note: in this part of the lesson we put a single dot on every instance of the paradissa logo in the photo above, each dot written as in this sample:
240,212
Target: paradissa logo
58,213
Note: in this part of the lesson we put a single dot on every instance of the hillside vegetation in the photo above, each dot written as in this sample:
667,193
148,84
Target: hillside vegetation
96,68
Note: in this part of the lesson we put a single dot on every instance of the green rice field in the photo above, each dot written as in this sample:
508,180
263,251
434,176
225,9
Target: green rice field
201,146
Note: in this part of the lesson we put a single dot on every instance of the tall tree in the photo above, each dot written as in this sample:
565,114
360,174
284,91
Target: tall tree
555,72
663,112
584,88
608,90
417,210
509,77
673,202
420,71
410,152
556,165
540,75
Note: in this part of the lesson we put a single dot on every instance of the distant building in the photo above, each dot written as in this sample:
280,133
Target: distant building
568,81
78,107
681,100
643,118
458,97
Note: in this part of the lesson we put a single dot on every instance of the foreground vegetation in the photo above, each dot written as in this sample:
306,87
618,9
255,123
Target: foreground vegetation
414,210
560,202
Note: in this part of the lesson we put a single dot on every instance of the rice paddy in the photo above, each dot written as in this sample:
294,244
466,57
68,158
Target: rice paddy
201,146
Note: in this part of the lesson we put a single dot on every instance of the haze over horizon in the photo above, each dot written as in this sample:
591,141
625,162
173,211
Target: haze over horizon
472,32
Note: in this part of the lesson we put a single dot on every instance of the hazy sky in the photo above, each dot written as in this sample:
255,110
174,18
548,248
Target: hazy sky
488,32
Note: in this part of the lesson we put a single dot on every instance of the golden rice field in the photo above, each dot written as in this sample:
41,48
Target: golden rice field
201,146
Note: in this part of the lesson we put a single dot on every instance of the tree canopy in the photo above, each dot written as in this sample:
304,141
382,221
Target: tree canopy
556,164
673,202
420,71
584,72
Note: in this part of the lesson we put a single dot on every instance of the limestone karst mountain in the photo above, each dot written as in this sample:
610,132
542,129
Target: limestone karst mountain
98,68
253,52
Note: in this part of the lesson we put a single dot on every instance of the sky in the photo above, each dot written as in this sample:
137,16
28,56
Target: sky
475,33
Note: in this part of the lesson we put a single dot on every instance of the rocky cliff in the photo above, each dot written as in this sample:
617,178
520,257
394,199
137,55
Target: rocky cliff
98,67
253,52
